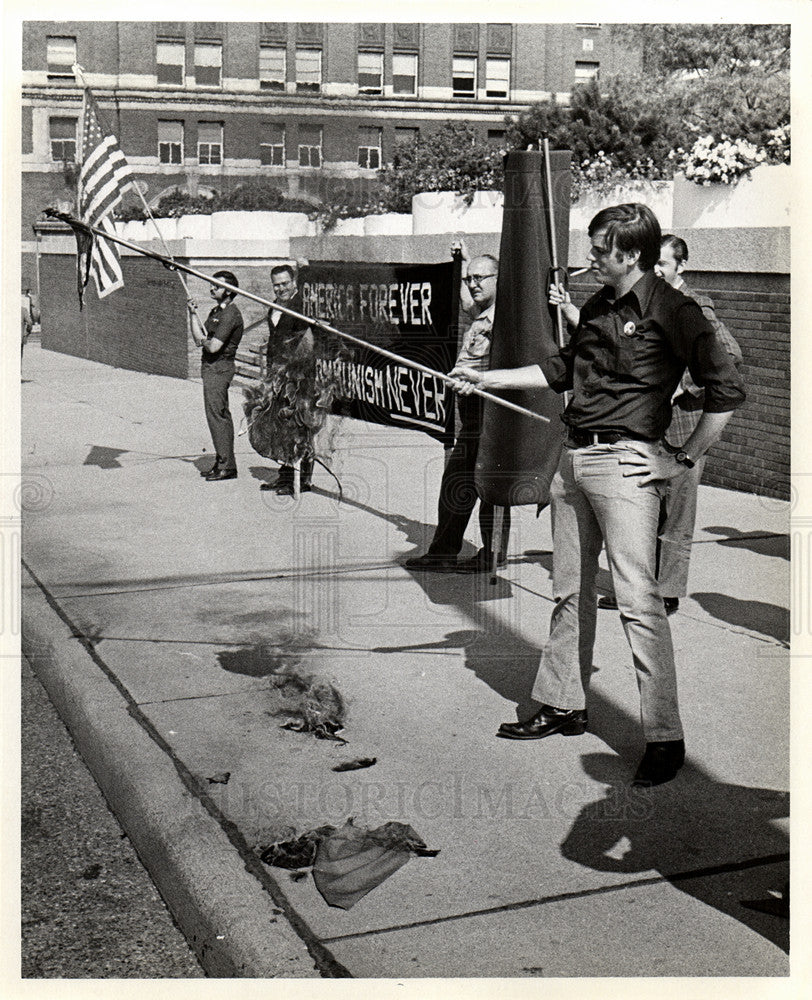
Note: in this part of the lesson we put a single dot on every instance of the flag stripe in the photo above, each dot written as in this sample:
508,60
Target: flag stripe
104,176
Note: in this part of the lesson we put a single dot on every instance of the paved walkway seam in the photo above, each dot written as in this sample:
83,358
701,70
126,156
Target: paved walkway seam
560,897
178,877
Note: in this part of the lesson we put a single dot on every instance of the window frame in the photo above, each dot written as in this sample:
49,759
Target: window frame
416,62
176,43
209,162
307,87
170,162
455,91
578,80
369,149
54,73
277,86
489,79
62,139
400,137
273,146
376,90
311,147
219,66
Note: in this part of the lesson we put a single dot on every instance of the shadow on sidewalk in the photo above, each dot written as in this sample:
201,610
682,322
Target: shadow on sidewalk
755,616
662,829
763,544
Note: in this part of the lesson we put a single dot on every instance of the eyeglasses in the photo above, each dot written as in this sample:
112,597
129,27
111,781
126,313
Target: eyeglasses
477,279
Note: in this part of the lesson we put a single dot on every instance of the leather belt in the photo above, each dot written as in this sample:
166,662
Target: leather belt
583,439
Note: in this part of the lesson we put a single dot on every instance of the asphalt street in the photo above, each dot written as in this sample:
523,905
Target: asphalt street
89,908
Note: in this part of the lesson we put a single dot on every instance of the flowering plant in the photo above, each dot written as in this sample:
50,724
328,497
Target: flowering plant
778,145
709,161
603,174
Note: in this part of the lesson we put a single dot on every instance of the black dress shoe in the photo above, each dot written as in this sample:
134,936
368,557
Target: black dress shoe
546,722
481,563
660,763
208,472
671,605
220,475
286,489
430,563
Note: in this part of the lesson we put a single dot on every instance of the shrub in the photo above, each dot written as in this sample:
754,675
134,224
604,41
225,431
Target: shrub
453,158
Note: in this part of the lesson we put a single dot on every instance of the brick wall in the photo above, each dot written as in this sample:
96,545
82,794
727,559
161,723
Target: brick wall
142,326
754,453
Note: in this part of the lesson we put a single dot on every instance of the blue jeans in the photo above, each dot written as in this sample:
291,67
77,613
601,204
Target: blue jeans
592,503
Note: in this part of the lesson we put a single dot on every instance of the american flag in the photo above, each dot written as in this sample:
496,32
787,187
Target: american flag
104,176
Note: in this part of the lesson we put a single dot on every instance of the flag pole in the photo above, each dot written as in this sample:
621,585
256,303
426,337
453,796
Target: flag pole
309,320
78,72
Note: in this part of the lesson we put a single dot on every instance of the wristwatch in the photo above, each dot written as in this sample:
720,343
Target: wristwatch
685,459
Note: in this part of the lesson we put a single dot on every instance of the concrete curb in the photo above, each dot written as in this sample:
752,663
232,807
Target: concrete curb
232,913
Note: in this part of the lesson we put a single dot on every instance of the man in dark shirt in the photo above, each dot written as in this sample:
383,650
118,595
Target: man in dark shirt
219,338
634,340
288,339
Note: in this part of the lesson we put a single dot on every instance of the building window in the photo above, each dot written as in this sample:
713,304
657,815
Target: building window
272,146
370,72
406,135
404,75
61,56
308,71
586,71
369,148
209,143
310,138
464,77
63,139
170,142
170,58
208,64
272,66
497,77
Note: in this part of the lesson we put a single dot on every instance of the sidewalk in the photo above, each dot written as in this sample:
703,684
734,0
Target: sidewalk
149,600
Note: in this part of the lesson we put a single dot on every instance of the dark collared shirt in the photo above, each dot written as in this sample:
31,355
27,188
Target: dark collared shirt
627,357
223,323
689,401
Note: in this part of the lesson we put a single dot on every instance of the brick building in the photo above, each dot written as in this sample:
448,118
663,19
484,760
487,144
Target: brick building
201,105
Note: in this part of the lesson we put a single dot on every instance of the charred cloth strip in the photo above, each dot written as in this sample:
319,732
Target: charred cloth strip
286,411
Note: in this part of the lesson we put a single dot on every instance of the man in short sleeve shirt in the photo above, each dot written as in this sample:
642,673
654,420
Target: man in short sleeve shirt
219,338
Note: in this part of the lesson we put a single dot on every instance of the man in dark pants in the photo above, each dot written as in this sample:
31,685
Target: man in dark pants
634,339
457,491
288,338
219,338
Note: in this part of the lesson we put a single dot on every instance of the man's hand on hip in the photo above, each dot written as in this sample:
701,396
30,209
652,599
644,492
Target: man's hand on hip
649,468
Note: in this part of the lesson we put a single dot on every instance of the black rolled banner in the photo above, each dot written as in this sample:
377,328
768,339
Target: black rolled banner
517,455
405,308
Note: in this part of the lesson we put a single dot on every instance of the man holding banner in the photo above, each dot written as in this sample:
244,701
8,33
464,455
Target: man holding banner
288,339
635,338
457,491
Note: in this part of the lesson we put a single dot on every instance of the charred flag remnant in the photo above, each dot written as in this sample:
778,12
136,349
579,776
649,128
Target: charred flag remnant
409,309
